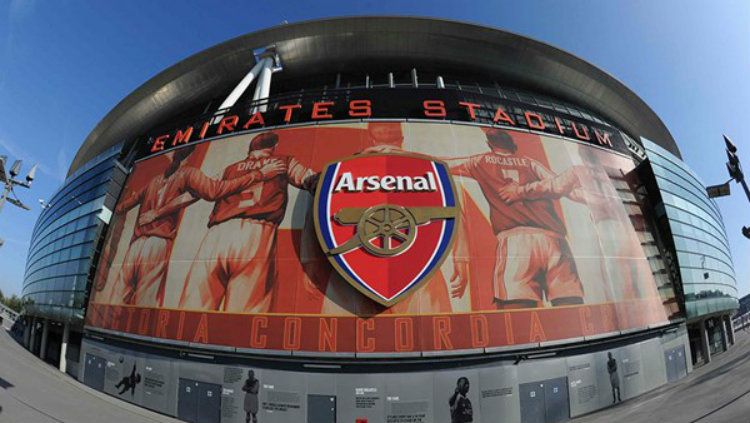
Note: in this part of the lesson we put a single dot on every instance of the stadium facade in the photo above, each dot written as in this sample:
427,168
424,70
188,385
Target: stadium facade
379,219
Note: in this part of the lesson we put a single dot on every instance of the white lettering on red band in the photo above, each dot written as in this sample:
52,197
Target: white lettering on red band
388,183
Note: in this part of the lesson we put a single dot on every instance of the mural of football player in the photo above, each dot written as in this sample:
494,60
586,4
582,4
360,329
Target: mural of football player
591,183
143,273
234,268
533,260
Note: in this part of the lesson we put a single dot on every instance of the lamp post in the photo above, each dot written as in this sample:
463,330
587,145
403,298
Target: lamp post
9,181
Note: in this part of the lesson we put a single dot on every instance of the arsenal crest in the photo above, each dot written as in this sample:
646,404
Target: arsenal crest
385,221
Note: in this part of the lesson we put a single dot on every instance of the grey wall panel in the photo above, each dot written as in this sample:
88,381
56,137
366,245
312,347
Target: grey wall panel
631,371
159,391
233,397
446,385
584,390
321,383
535,370
654,373
494,389
361,397
282,397
201,372
409,397
604,387
498,394
124,376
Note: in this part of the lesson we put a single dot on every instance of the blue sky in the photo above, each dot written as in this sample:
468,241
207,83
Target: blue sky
65,64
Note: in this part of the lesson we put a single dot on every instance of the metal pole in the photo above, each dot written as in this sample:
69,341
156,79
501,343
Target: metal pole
263,87
744,186
8,188
237,92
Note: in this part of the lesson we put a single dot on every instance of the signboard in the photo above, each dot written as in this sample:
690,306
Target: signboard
517,238
720,190
384,103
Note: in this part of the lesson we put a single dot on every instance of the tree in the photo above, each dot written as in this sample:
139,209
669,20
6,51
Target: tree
14,303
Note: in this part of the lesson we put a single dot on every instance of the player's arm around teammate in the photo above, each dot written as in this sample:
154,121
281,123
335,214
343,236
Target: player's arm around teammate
196,185
132,199
550,186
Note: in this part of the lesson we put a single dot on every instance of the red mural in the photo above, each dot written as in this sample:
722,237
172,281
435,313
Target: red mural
215,243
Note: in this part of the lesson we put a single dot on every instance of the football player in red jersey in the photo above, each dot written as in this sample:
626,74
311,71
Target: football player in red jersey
533,259
143,272
234,267
629,276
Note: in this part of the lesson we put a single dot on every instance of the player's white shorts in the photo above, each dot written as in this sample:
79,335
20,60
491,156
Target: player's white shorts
534,264
233,269
142,274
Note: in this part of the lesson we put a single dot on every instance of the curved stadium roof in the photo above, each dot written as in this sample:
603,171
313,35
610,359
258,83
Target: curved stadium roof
368,44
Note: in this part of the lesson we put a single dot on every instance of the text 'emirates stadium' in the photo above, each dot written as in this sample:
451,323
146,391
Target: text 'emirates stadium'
379,219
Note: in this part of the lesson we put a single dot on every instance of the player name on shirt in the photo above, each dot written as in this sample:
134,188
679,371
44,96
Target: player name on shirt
349,183
507,160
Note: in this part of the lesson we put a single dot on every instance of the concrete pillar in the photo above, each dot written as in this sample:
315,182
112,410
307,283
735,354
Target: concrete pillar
32,342
705,349
730,329
724,332
64,347
27,332
45,334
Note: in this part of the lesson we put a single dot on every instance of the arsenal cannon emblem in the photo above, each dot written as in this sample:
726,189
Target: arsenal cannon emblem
385,221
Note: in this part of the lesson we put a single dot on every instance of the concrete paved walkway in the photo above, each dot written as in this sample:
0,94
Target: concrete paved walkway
34,392
716,393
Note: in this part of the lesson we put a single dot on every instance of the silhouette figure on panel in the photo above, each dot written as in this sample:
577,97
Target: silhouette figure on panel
251,388
614,379
461,411
129,382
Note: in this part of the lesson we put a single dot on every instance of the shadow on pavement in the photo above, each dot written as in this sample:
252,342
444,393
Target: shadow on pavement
5,384
723,369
